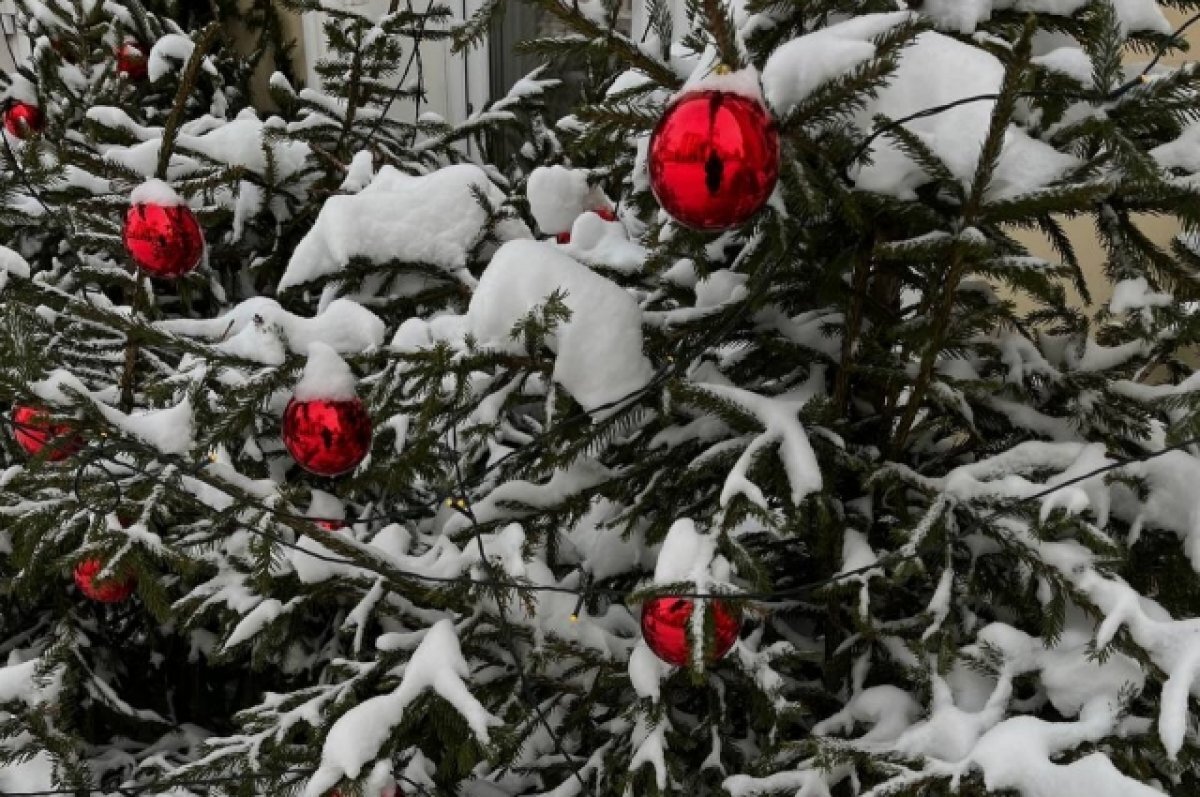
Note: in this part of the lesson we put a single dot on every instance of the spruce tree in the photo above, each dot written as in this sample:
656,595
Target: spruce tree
948,496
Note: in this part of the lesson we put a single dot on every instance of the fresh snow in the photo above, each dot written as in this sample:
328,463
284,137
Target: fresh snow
558,195
434,219
155,192
598,350
326,377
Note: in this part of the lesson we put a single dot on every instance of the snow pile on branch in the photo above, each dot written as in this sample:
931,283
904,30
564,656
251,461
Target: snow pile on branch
355,739
434,219
558,195
934,70
598,349
962,16
344,325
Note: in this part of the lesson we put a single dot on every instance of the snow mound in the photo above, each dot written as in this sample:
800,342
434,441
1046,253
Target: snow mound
433,219
345,326
326,377
357,736
155,192
599,349
558,195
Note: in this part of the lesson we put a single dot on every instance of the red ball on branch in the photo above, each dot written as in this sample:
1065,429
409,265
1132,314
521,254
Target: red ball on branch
327,437
22,120
665,622
714,159
112,590
35,432
132,61
164,240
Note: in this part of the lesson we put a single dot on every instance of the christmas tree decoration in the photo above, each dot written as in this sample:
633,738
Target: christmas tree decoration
331,525
327,438
665,627
326,427
714,159
112,590
132,61
161,233
604,213
37,434
22,119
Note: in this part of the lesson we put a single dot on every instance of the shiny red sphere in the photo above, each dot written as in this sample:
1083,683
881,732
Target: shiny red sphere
331,525
665,623
114,590
325,437
164,240
22,120
604,213
34,432
714,159
132,61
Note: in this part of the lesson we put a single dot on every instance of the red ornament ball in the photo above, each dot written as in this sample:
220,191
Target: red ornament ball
22,120
114,590
665,623
132,61
714,159
164,240
35,432
604,213
331,525
327,437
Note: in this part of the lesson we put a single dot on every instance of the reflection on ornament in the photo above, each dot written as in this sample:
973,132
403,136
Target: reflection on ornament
132,61
23,120
34,432
113,590
714,159
665,622
326,437
164,240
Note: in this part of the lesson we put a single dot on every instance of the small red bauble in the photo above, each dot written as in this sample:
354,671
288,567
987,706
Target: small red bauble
714,159
132,61
386,791
35,432
665,623
113,590
604,213
327,437
331,525
22,120
164,240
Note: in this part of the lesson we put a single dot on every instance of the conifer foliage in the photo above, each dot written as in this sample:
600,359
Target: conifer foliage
947,487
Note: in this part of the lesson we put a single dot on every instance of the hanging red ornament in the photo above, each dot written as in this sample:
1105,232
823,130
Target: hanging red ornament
331,524
132,61
35,432
714,159
164,240
327,437
113,590
665,623
386,791
604,213
22,120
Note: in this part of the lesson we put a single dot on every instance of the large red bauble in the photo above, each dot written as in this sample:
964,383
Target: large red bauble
22,120
714,159
665,623
113,590
132,61
35,432
164,240
327,437
604,213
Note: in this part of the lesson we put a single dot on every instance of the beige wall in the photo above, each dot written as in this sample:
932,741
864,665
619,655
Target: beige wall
1082,233
292,32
